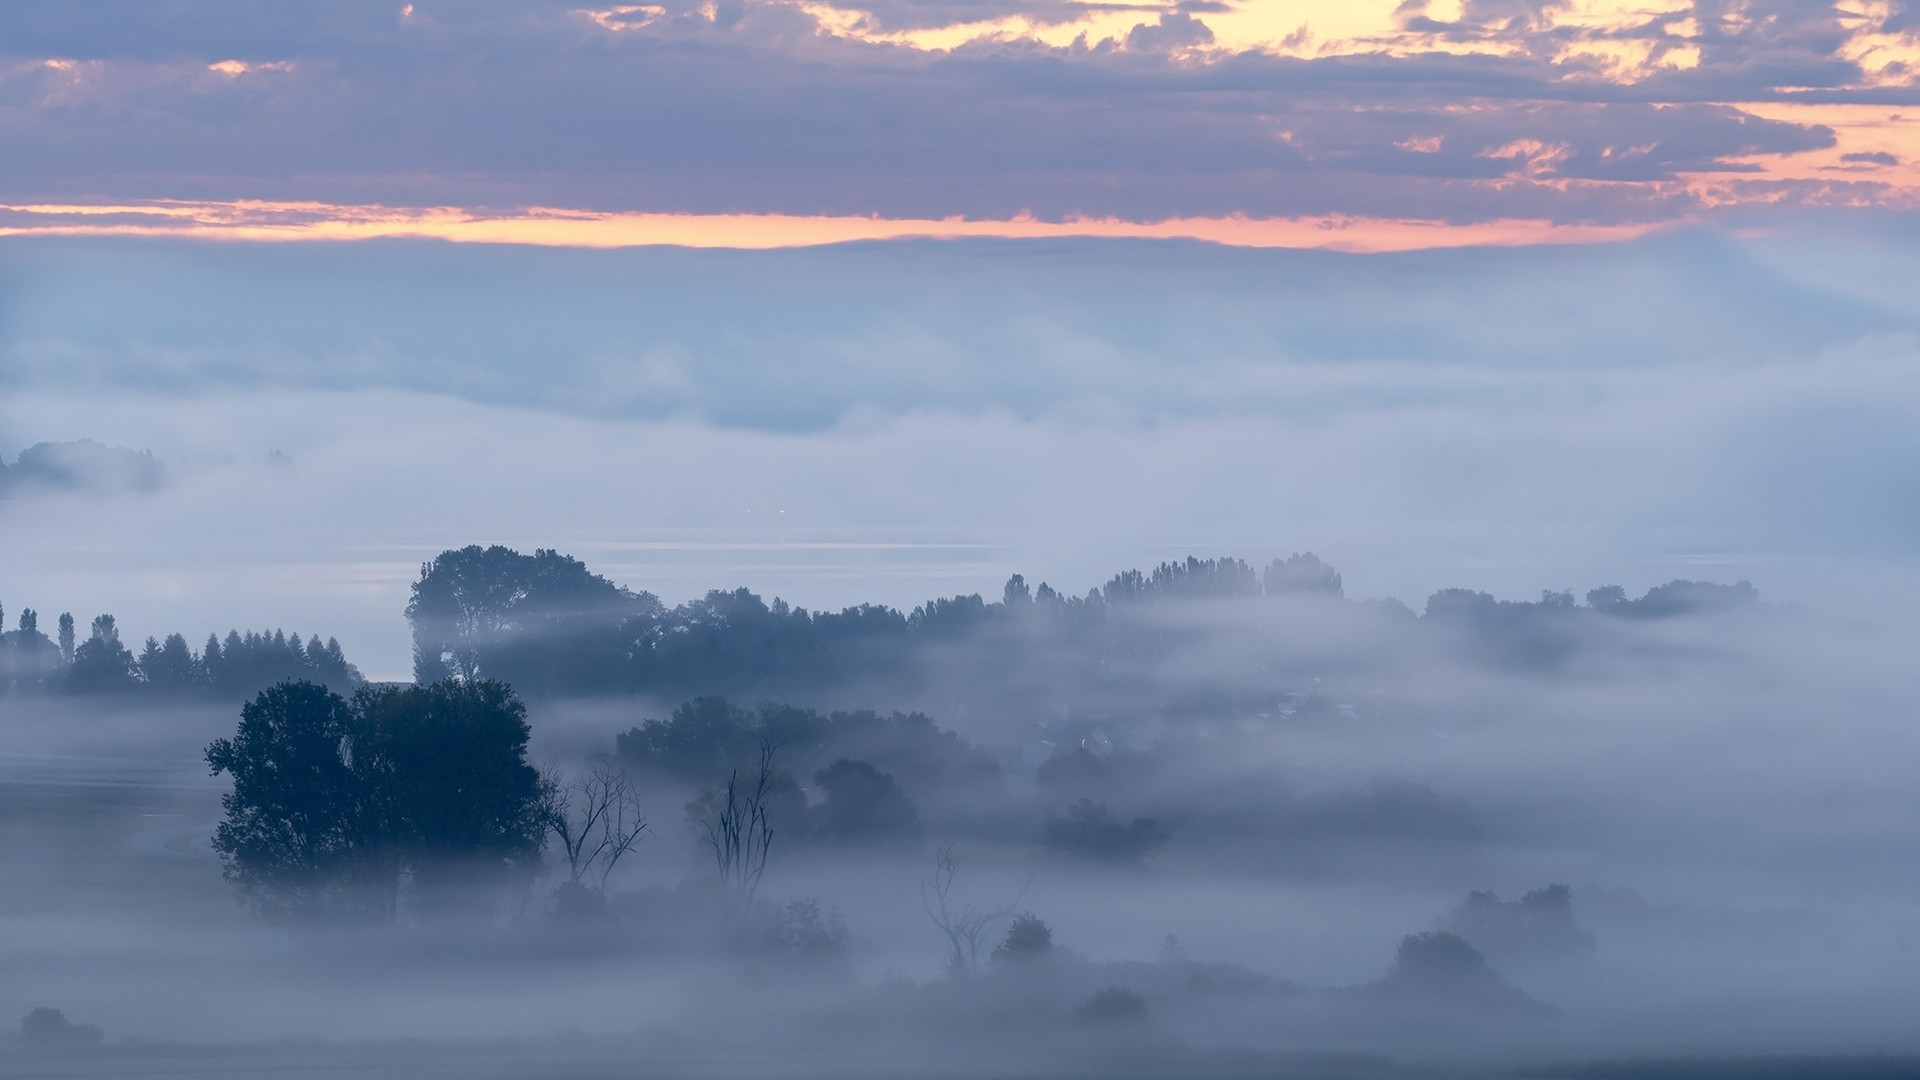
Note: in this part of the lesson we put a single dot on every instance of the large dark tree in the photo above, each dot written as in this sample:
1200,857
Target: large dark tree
447,767
334,802
535,620
299,840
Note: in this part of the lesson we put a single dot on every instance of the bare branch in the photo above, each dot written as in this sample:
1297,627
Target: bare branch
963,927
597,818
739,830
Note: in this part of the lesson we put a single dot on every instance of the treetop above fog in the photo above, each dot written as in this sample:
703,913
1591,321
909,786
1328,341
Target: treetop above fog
550,626
337,802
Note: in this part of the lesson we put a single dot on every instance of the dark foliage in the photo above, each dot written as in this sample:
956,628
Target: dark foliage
1028,939
1300,574
300,840
801,933
1112,1005
706,737
449,783
29,660
101,664
543,622
1088,773
549,626
45,1028
83,465
1444,967
862,805
1672,599
335,802
1088,830
243,665
1538,926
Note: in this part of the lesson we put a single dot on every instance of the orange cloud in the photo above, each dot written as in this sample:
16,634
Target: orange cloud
302,221
1874,162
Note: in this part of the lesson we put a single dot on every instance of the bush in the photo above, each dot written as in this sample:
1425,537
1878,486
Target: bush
1088,830
804,934
863,804
44,1027
1115,1004
1027,939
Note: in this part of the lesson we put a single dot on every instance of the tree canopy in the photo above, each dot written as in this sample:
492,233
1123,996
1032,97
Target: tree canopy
335,802
553,628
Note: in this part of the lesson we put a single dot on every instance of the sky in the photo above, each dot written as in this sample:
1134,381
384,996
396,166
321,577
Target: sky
1366,125
880,303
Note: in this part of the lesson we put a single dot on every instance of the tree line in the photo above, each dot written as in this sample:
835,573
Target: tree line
552,627
31,662
344,807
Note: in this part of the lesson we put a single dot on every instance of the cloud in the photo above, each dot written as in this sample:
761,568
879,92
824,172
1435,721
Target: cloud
778,107
891,422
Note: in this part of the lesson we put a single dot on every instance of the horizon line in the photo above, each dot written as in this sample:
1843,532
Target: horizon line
266,221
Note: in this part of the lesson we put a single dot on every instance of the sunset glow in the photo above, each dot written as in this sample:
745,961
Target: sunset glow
548,227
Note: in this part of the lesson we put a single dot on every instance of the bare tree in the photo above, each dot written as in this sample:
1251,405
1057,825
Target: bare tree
597,818
738,830
964,926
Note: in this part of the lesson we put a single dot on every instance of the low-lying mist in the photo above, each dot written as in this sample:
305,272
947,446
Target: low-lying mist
1194,822
1604,802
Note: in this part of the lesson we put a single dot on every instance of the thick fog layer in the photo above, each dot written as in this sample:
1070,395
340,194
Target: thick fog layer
1544,808
894,423
1671,828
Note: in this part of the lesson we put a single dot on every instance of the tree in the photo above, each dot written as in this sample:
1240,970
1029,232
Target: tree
1299,574
701,737
448,772
335,803
597,820
101,664
66,637
169,666
249,662
28,661
1028,939
44,1028
1088,830
738,830
862,805
962,924
529,619
300,841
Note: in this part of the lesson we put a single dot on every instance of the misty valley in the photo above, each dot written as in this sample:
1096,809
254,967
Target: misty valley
1205,819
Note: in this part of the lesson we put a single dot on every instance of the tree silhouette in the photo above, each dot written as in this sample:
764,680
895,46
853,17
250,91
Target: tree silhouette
539,621
334,802
1028,939
597,820
301,840
451,783
101,664
738,829
1089,830
961,922
28,660
863,804
169,667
